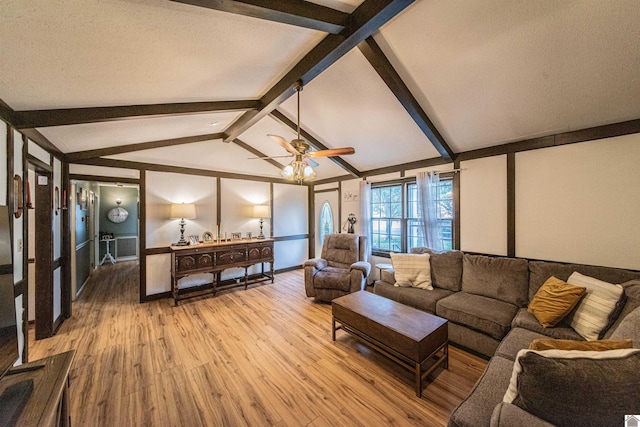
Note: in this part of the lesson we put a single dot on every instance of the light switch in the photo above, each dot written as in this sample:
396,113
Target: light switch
19,245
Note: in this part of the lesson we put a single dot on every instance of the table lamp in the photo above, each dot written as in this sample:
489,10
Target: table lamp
183,211
262,212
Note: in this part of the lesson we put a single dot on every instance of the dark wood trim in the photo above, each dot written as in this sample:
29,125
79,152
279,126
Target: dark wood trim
57,263
74,116
128,148
284,270
364,21
456,206
6,112
218,202
394,82
158,251
126,164
511,204
292,237
20,288
340,207
101,178
257,153
583,135
271,209
44,251
67,307
419,164
161,295
38,163
327,190
42,141
142,237
292,12
280,117
311,218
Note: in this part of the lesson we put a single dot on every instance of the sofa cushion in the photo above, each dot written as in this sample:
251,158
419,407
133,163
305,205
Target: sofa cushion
554,300
561,387
415,297
517,339
629,328
412,270
632,301
446,268
526,320
540,271
483,314
597,345
476,409
333,278
594,310
504,279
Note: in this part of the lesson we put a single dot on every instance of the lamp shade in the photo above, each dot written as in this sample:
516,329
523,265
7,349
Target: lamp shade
261,211
183,210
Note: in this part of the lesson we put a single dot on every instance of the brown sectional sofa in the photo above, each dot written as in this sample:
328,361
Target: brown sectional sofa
484,299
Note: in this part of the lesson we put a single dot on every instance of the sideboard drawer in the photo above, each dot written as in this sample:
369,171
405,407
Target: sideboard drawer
231,255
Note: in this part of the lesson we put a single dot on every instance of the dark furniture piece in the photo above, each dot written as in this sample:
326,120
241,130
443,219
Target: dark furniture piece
195,270
340,270
406,335
48,403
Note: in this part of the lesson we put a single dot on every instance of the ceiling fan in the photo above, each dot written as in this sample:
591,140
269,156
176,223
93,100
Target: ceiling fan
301,167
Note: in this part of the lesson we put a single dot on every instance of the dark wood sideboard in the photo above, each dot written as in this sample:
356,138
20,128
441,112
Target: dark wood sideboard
48,404
214,258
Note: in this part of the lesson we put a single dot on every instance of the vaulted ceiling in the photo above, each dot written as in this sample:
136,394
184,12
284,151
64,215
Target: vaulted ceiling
200,83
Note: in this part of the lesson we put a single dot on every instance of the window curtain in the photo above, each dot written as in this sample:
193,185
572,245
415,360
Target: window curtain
427,201
365,220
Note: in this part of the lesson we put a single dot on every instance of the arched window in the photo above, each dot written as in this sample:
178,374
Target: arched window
326,221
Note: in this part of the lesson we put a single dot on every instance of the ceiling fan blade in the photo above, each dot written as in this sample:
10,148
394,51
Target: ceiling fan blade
284,143
332,152
310,162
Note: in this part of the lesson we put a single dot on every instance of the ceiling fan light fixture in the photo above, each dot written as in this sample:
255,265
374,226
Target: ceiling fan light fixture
287,172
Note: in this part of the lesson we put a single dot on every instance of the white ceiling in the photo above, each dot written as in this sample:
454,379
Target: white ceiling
485,73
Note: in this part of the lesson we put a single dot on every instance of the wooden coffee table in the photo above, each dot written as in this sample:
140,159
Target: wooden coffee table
406,335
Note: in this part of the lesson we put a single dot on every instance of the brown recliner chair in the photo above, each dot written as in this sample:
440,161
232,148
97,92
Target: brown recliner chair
340,270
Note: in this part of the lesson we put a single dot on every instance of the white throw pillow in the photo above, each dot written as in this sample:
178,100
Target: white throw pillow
412,270
593,311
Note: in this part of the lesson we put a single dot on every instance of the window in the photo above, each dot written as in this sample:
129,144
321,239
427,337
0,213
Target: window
326,221
395,216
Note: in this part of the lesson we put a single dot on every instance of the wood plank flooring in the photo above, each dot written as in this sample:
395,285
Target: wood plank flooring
260,357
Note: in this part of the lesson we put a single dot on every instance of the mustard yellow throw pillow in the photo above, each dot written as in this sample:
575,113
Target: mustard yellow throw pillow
599,345
554,300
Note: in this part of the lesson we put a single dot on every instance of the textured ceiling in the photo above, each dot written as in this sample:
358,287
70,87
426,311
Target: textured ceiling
485,73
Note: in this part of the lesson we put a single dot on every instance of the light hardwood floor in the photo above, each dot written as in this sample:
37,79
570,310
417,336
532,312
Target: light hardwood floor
260,357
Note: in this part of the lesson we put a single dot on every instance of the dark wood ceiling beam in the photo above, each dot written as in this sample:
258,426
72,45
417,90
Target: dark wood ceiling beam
293,12
6,112
128,148
366,19
390,76
279,116
74,116
125,164
257,153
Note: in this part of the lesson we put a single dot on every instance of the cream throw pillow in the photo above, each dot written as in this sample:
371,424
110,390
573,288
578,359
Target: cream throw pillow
593,311
412,270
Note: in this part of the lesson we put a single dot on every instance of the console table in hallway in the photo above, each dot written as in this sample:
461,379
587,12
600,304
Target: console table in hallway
205,262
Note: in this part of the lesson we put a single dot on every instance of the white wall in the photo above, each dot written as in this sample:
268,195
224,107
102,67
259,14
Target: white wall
238,198
483,205
580,203
57,218
76,169
574,203
17,223
290,218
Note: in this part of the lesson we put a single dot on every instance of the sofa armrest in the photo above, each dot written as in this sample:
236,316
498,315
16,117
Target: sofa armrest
508,415
388,275
317,263
363,266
